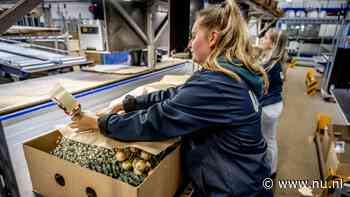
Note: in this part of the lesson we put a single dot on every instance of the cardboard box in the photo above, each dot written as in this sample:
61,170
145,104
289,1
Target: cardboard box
94,56
338,162
340,132
54,177
73,45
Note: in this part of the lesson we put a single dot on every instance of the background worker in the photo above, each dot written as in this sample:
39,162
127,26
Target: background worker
274,60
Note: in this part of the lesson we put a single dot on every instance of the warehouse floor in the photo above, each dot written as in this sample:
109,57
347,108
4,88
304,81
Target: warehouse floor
297,155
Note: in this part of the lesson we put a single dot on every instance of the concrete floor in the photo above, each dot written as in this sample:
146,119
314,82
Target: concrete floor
297,153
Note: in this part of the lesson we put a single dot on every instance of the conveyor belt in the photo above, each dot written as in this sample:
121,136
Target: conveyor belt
24,126
23,94
22,59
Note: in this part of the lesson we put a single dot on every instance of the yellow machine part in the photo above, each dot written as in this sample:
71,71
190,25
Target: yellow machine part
311,83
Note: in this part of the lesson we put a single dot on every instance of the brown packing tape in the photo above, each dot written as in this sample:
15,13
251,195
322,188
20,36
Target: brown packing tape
96,138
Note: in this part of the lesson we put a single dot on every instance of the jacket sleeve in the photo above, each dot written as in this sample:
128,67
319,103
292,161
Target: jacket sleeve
196,106
131,103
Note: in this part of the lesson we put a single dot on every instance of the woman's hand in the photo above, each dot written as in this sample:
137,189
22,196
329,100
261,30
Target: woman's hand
116,108
85,122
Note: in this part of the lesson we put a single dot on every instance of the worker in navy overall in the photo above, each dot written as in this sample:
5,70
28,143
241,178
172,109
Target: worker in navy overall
216,111
273,60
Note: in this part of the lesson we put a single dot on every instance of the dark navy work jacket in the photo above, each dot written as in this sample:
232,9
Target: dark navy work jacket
274,94
219,119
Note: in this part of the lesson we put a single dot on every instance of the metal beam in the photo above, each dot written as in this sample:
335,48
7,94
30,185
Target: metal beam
21,8
150,33
160,32
161,28
130,21
253,5
267,27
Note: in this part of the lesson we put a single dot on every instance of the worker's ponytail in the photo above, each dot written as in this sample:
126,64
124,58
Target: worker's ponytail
233,41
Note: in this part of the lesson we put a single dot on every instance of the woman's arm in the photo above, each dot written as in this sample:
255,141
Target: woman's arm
196,106
131,103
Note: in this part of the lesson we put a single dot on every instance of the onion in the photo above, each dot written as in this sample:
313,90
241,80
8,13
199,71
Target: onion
120,156
148,165
139,167
137,172
126,165
145,156
134,162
